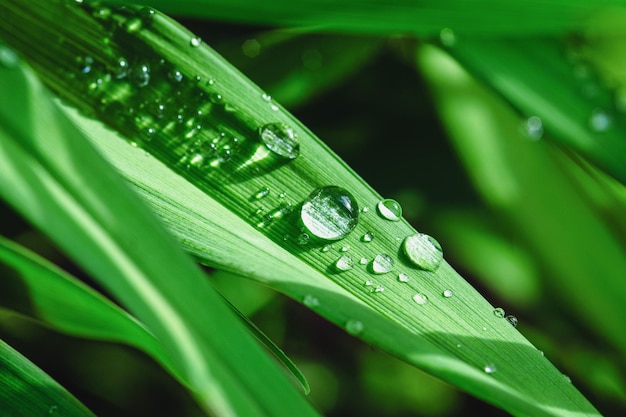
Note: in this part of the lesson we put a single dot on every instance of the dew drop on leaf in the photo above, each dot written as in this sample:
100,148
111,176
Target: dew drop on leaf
390,210
423,251
420,298
195,42
140,74
533,128
447,293
490,368
354,327
344,263
310,301
512,319
499,312
368,237
280,139
600,120
261,193
382,264
330,213
403,277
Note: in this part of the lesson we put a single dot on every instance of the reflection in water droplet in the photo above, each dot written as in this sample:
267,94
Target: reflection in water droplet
447,293
600,120
499,312
280,139
533,128
354,327
512,319
310,300
195,41
490,368
382,264
403,278
447,37
420,298
368,237
330,213
344,263
423,251
390,210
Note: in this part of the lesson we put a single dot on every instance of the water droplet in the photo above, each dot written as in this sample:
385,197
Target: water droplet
484,328
447,293
282,195
490,368
303,239
567,378
85,64
403,277
8,58
140,74
423,251
195,41
330,213
512,319
363,261
600,120
354,327
390,210
382,264
53,409
266,97
533,128
379,288
447,37
499,312
368,283
280,139
344,263
133,25
262,193
279,212
368,237
310,301
326,248
365,209
420,298
175,75
344,249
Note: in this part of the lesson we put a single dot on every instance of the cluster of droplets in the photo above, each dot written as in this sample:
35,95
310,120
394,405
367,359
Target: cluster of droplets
500,313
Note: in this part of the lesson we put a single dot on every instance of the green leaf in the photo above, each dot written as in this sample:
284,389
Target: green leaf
51,175
423,18
207,197
27,391
535,76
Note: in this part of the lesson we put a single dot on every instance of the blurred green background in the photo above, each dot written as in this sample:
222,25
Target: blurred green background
366,98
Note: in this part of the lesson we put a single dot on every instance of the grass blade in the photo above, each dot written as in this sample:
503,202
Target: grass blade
51,174
27,391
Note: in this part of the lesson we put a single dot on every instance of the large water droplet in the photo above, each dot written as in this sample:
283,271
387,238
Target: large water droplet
85,64
382,264
330,213
423,251
280,139
344,263
390,210
354,327
420,298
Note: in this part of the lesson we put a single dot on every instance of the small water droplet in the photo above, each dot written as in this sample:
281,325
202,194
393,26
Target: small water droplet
326,248
195,41
53,409
490,368
368,283
140,74
447,293
447,37
262,193
484,328
133,25
8,57
390,210
282,195
512,319
541,352
533,128
175,75
379,288
423,251
382,264
403,277
567,378
600,120
354,327
344,249
420,298
310,301
279,212
363,261
330,213
365,209
458,345
344,263
303,239
368,237
266,97
280,139
499,312
85,64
